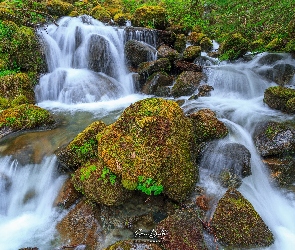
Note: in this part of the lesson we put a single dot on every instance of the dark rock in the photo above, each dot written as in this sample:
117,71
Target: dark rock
149,36
270,58
134,245
181,65
186,83
180,43
182,230
274,138
155,82
204,90
138,52
165,51
236,224
165,37
191,53
163,91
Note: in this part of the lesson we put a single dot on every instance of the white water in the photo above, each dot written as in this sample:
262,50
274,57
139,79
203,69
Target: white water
238,101
27,215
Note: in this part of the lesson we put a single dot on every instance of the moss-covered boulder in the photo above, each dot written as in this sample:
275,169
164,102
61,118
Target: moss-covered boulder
98,184
195,38
274,138
59,8
186,83
181,65
81,226
167,52
137,53
206,44
182,230
156,82
191,53
204,90
206,126
133,244
180,43
15,85
81,149
101,14
150,16
25,116
236,223
149,147
277,97
233,47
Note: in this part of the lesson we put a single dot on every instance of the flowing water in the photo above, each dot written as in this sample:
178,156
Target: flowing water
87,80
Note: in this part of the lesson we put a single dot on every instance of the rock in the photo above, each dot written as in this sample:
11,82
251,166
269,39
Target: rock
236,223
274,138
59,8
277,98
182,230
181,66
165,51
134,245
80,226
81,149
165,37
98,184
186,83
206,44
138,52
206,126
271,58
204,90
155,82
191,53
180,43
149,36
67,195
149,147
282,169
195,38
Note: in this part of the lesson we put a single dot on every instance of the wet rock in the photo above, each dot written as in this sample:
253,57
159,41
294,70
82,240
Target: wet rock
191,53
282,169
206,44
165,51
98,184
271,58
202,202
151,140
182,230
81,149
207,126
155,82
274,138
67,196
278,97
138,52
180,43
186,83
236,224
204,90
181,65
163,91
133,244
80,226
165,37
149,36
5,182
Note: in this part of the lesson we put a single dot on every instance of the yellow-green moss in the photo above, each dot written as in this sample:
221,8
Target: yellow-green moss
59,8
129,244
180,43
100,13
195,38
276,45
153,139
206,44
191,53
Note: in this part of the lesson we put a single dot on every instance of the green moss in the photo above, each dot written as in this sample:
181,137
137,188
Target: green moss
276,45
152,139
59,8
100,13
290,47
180,43
290,105
191,53
195,38
206,44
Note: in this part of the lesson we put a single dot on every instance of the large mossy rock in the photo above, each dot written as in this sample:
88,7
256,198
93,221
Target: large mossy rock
280,98
191,53
186,83
274,138
81,149
81,226
236,223
137,52
157,84
150,16
98,184
149,147
164,51
133,244
101,14
23,117
182,230
59,8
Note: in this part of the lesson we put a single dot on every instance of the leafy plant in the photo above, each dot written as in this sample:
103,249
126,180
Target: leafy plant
85,172
148,185
107,174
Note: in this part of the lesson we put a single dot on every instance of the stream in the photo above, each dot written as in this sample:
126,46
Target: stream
79,89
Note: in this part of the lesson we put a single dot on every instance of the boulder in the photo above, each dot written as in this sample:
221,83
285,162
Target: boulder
149,148
204,90
181,65
138,52
59,8
155,82
134,245
80,226
186,83
98,184
277,97
164,51
274,138
236,224
191,53
81,149
182,230
180,43
270,58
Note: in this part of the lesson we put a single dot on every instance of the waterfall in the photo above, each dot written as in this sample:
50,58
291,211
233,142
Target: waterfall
27,215
237,100
86,62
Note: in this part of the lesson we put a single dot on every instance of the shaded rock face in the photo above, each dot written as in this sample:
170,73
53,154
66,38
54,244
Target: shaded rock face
237,224
152,140
80,227
100,185
274,138
271,58
181,65
191,53
129,244
186,83
81,149
280,98
138,52
204,90
167,52
155,84
149,36
229,163
183,230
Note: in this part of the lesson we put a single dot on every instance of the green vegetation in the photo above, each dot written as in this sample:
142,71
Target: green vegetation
106,172
148,185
